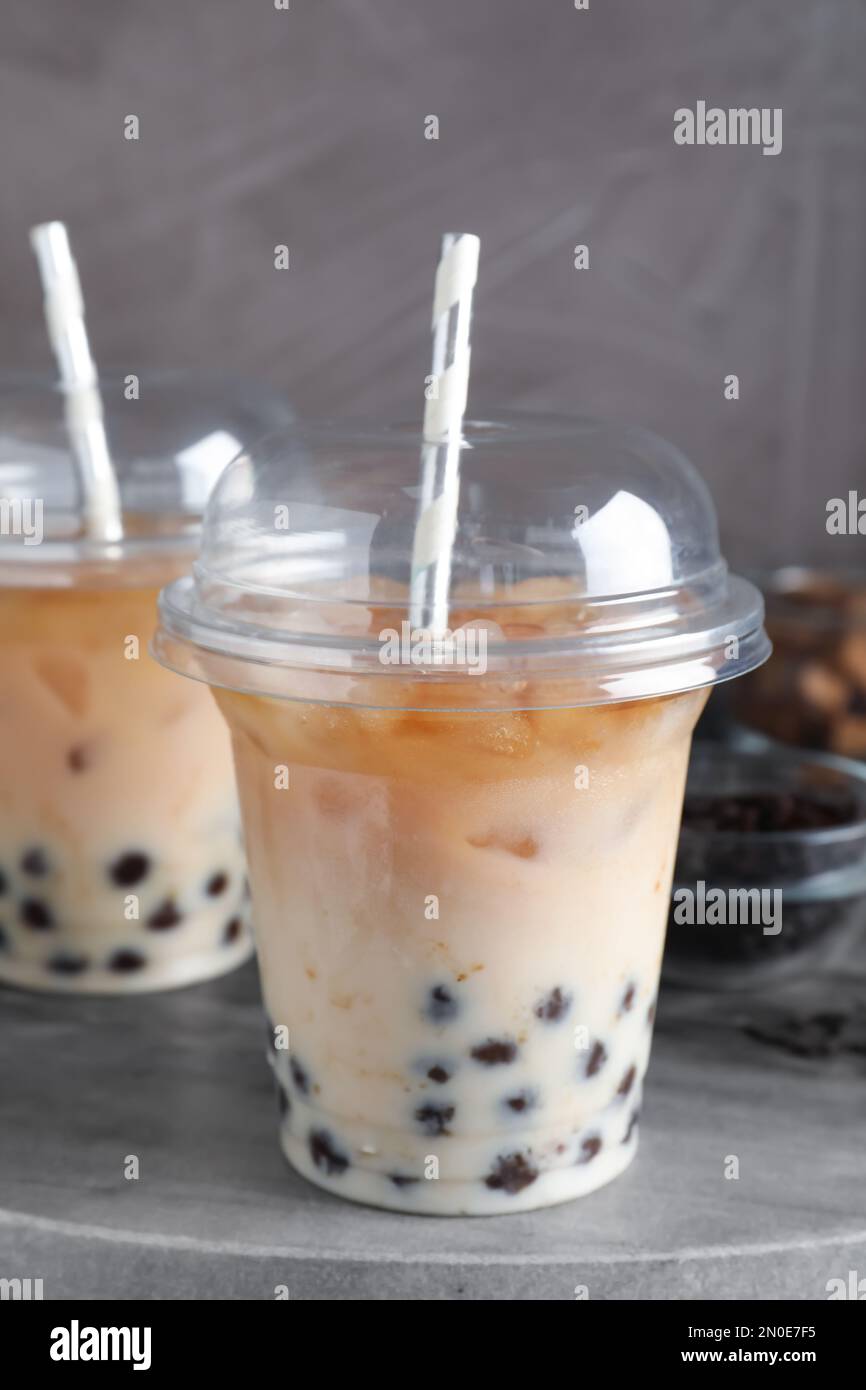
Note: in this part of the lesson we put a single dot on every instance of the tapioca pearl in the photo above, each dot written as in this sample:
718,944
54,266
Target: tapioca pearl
628,998
232,930
511,1173
631,1126
554,1005
402,1180
589,1149
495,1052
596,1059
442,1005
79,758
436,1068
435,1117
627,1082
521,1101
126,962
129,868
164,917
68,964
36,914
326,1153
35,862
300,1076
217,884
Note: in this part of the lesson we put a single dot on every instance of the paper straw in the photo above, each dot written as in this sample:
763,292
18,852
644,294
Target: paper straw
64,317
443,426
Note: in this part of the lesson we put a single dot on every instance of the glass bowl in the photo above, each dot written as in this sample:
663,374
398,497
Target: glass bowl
766,819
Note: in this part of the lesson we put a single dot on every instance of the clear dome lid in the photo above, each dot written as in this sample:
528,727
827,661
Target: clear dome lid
585,560
168,446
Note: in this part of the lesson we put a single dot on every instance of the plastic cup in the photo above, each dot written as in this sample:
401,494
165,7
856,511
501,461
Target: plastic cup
121,862
461,856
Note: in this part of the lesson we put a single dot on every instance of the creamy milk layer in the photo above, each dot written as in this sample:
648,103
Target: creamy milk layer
121,865
460,920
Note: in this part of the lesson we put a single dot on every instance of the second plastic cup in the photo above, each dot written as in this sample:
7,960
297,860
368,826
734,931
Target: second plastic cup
461,854
121,861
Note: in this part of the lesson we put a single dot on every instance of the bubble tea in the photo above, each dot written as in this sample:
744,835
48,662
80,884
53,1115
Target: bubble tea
121,862
461,850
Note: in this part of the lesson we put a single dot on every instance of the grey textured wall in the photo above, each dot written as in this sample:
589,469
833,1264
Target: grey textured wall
306,126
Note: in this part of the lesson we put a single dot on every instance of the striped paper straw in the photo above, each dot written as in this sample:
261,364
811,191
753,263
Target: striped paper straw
443,425
64,317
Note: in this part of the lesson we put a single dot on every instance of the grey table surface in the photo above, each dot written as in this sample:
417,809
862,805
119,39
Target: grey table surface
179,1080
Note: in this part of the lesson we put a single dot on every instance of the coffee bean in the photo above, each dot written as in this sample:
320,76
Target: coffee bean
770,812
129,869
217,884
125,962
589,1148
435,1118
326,1153
651,1013
441,1006
400,1180
36,914
627,1082
521,1101
439,1075
165,916
495,1052
68,964
232,930
511,1173
300,1076
596,1059
553,1006
35,863
628,999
